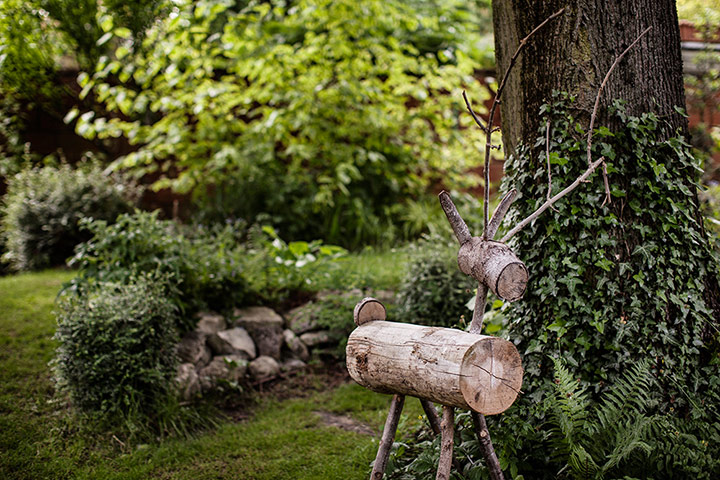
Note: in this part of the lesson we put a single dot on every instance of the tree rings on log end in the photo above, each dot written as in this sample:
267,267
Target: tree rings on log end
491,375
367,310
512,281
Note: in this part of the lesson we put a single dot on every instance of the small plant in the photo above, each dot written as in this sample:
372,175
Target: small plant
434,291
116,354
281,269
42,209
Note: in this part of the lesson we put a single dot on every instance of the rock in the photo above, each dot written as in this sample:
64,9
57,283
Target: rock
210,323
292,365
235,341
264,326
187,381
223,368
314,339
263,367
302,318
295,345
193,349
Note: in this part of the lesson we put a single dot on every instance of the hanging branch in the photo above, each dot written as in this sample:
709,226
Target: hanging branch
491,118
595,109
554,199
591,165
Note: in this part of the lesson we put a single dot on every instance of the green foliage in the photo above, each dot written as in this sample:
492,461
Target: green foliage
202,271
618,272
434,291
27,52
43,206
612,285
607,439
116,353
711,210
326,115
278,270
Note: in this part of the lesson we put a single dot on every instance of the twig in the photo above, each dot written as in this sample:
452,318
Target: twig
447,435
595,108
479,310
491,117
473,114
553,200
486,445
388,437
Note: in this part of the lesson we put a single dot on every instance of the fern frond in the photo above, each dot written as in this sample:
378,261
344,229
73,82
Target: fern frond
569,408
628,397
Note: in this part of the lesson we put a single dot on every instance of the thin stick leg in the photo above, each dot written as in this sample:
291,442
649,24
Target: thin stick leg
446,443
486,446
432,415
388,436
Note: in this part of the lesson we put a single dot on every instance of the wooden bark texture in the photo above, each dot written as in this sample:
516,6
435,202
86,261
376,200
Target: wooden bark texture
443,365
486,445
432,415
388,436
495,265
573,53
446,443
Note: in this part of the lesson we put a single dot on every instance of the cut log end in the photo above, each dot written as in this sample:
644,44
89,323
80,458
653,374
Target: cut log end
368,310
512,281
491,375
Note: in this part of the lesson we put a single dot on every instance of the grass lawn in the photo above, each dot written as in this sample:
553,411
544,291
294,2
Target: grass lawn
40,439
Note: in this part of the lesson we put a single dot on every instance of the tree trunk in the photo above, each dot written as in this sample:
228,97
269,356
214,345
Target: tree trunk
610,284
574,52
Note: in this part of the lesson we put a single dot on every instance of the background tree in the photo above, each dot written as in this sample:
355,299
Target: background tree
613,280
330,117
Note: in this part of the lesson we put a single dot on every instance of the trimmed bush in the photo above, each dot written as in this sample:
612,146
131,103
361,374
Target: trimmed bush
434,292
116,353
41,210
203,271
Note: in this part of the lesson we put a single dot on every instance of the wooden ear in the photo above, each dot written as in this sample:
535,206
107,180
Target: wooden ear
368,310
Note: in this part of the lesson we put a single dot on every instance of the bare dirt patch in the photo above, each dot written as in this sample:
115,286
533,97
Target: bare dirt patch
344,422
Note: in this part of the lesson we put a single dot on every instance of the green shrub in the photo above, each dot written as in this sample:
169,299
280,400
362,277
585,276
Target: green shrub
267,90
434,292
279,270
116,353
205,271
43,206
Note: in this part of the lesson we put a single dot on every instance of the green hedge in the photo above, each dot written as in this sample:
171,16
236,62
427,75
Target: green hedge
40,213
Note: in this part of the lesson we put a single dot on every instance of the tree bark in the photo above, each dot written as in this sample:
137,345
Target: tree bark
574,52
443,365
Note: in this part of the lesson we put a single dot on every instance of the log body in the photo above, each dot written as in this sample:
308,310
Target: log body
443,365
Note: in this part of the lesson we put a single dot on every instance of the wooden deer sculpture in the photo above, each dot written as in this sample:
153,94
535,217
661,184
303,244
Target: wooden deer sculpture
451,367
454,368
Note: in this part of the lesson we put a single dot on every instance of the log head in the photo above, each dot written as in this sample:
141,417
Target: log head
494,264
